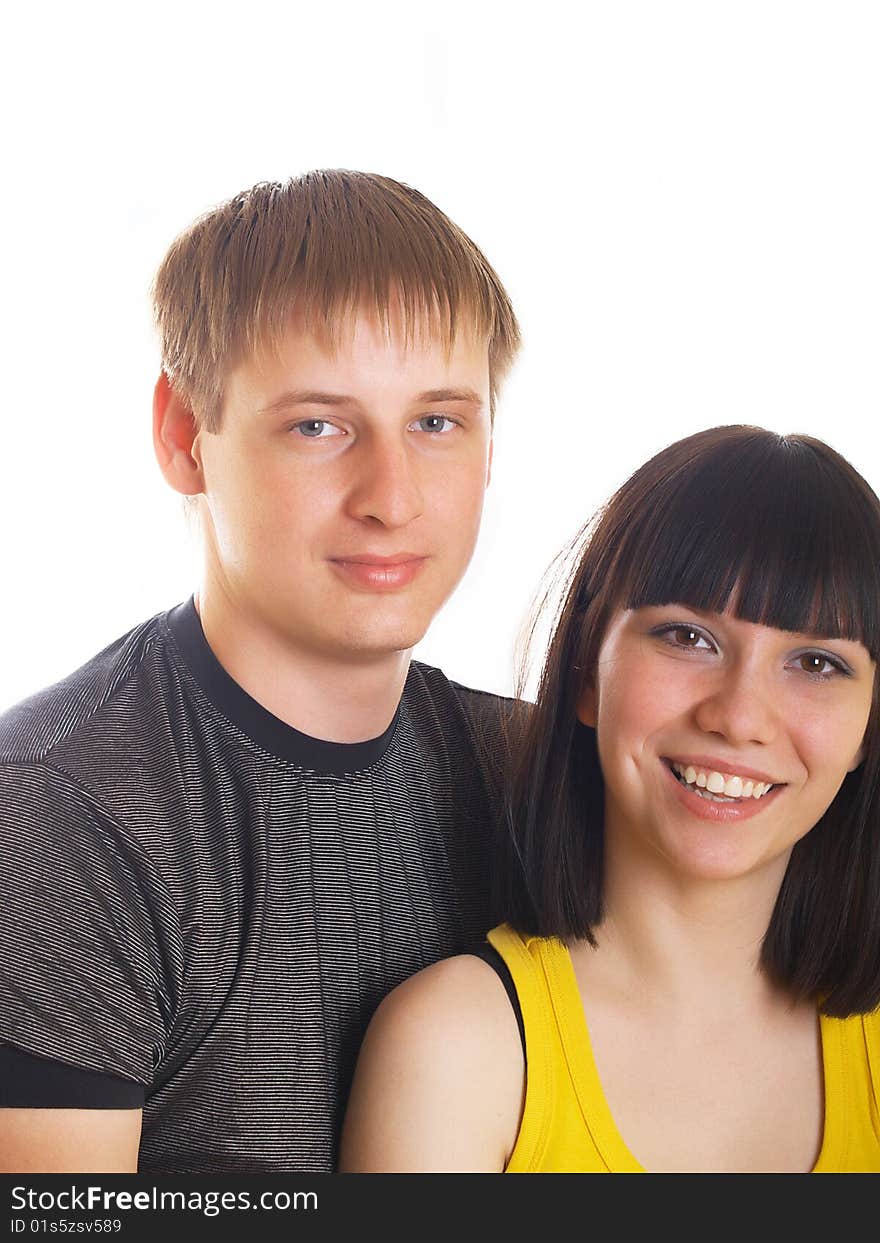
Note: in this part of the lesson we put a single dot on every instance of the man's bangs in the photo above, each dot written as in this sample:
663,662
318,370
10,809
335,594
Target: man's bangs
416,316
396,259
329,245
768,535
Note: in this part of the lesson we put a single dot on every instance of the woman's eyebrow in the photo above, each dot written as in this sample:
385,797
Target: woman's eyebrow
805,636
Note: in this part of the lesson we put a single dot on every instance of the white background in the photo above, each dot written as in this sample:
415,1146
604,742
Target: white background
681,198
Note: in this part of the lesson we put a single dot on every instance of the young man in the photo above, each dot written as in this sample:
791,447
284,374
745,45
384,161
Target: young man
233,831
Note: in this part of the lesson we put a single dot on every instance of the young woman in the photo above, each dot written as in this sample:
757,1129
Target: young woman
689,971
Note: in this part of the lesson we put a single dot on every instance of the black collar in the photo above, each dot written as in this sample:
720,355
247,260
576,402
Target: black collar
265,729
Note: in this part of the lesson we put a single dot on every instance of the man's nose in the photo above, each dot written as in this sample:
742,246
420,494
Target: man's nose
386,487
739,706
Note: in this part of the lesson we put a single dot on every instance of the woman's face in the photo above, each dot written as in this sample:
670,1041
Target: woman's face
697,713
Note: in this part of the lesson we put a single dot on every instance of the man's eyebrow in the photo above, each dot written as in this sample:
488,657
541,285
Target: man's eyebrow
451,394
306,397
315,397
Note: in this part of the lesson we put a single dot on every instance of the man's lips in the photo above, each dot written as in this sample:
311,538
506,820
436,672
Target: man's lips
394,558
370,572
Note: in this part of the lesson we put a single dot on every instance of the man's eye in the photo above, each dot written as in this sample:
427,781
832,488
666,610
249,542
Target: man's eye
436,423
316,429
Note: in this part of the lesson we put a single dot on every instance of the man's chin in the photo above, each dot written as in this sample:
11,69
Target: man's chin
376,642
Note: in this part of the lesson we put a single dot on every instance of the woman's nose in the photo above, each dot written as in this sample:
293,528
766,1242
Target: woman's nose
740,707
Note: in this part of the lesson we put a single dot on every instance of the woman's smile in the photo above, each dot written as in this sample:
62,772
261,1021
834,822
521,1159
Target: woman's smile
717,805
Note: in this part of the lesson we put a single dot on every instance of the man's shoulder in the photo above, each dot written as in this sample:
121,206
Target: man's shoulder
481,703
482,707
491,725
34,727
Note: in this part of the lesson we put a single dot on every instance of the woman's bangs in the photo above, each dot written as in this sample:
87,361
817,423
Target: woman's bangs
765,540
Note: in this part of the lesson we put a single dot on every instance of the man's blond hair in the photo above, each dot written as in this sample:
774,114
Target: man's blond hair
328,243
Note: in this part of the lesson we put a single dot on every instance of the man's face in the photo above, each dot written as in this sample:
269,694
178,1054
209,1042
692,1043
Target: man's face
344,490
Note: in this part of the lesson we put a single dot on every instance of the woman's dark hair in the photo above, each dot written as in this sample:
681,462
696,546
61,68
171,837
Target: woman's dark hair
796,530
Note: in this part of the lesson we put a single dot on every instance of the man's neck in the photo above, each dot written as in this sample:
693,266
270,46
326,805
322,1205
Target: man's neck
316,693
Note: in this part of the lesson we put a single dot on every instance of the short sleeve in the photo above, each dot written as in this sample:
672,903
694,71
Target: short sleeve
89,937
42,1083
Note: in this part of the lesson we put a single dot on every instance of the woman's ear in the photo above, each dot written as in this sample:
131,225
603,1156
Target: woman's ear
859,757
586,706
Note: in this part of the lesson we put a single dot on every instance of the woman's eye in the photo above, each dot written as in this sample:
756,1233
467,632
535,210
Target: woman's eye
435,423
316,429
685,636
818,664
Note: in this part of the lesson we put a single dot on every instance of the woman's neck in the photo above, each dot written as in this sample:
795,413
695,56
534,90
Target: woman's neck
668,939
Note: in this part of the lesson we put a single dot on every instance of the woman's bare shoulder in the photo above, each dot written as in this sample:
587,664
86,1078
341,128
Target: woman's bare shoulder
449,992
440,1077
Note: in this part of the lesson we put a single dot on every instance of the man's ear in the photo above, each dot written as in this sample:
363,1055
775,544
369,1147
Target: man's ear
586,710
175,430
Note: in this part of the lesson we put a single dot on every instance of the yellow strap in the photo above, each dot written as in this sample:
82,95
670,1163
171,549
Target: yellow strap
531,991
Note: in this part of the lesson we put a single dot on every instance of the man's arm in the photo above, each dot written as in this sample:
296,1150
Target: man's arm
440,1078
50,1141
59,1118
86,999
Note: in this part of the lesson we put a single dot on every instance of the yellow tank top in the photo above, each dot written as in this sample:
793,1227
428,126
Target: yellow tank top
567,1126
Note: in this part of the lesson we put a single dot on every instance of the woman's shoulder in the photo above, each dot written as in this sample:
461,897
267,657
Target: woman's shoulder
459,1004
440,1077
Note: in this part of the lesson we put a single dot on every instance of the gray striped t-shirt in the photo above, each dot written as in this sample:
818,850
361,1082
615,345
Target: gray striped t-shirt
202,906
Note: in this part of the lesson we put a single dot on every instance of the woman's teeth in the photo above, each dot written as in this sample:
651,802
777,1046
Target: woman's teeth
717,787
